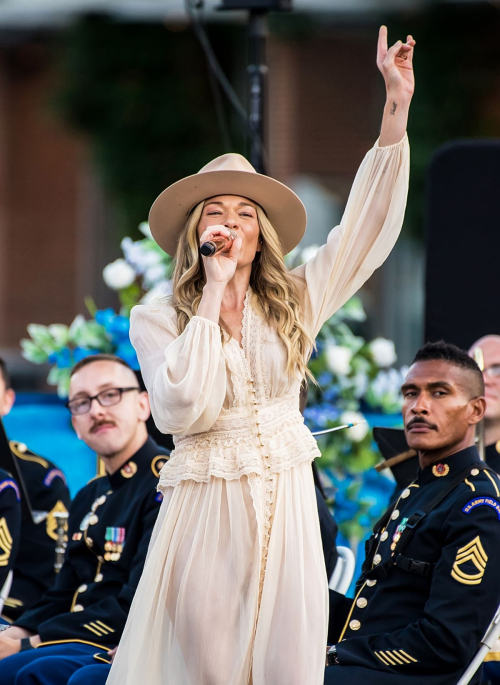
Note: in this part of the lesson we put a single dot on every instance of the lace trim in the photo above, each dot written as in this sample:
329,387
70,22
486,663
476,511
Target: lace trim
231,449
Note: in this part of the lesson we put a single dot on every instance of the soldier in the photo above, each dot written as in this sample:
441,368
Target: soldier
429,586
109,528
10,526
47,490
490,347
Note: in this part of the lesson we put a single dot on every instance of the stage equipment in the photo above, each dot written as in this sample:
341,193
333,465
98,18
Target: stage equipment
463,243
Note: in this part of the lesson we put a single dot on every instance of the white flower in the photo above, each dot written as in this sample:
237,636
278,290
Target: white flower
338,359
145,230
358,432
118,275
154,274
158,293
140,256
308,253
383,352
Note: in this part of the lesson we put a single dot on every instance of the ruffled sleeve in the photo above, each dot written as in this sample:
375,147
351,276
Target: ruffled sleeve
362,242
184,374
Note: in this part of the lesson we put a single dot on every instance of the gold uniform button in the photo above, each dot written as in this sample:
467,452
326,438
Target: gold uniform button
78,607
82,588
474,472
362,602
395,514
98,578
384,536
377,559
406,493
371,583
354,625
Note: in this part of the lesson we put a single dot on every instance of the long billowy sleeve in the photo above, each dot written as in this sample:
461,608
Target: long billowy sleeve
364,238
184,374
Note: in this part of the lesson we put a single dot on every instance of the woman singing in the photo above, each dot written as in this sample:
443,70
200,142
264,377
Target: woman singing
234,590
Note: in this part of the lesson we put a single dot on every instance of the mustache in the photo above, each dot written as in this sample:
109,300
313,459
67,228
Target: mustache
418,419
98,424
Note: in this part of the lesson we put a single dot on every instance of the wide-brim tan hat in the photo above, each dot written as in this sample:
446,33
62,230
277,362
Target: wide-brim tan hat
229,174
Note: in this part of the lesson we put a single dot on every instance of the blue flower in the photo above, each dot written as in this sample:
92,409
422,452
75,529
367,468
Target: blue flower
126,352
104,317
325,379
62,358
80,353
118,328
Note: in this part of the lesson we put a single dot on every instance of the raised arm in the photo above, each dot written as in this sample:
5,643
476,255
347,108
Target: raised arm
374,213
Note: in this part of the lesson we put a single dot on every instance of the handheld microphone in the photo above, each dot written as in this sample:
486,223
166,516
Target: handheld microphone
220,244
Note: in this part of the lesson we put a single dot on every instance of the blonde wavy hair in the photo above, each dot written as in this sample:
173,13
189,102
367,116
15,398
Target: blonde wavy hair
276,292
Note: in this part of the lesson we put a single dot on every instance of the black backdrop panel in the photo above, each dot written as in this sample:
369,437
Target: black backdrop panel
462,289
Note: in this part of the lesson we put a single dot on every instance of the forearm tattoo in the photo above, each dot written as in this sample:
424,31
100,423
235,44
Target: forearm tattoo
394,108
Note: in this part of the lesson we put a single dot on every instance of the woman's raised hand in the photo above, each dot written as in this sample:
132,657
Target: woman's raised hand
220,267
396,64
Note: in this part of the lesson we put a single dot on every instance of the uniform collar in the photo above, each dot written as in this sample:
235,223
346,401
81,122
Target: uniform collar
136,464
447,468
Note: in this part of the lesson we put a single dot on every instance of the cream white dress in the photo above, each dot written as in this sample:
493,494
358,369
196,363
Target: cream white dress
234,589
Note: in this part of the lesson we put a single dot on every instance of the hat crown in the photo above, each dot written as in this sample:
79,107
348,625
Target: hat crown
231,161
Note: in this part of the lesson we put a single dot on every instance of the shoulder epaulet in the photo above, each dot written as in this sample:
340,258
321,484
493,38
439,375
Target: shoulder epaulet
20,450
492,479
101,475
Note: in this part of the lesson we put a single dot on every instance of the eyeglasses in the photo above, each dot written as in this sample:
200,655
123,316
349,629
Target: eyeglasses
106,398
492,371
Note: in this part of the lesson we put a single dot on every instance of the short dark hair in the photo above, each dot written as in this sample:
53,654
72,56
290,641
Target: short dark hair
443,351
4,374
99,358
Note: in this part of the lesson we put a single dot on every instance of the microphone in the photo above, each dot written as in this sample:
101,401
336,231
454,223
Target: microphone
220,244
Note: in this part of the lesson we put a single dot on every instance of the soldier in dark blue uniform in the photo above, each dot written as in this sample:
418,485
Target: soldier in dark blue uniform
48,492
10,524
109,528
429,586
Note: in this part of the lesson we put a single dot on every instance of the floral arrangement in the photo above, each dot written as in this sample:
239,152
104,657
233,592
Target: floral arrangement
353,376
143,269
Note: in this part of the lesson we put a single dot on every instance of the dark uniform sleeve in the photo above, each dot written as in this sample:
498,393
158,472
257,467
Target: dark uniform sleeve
10,526
52,614
464,596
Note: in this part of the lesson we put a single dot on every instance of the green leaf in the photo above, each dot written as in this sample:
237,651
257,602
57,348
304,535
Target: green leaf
33,353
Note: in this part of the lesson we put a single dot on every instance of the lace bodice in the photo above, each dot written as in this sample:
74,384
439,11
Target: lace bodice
231,408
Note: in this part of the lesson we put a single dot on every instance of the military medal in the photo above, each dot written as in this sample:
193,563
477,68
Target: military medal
399,532
440,470
113,547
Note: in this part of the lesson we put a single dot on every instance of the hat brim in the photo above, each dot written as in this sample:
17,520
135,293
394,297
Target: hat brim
282,206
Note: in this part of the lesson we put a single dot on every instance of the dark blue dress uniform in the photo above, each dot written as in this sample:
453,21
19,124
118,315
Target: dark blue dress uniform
10,524
34,569
424,618
109,528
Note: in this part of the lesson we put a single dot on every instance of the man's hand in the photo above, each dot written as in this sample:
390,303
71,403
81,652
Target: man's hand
18,633
112,654
8,645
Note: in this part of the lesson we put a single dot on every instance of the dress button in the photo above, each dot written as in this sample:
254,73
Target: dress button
406,493
377,559
362,602
395,514
78,607
354,625
474,472
371,583
384,536
82,588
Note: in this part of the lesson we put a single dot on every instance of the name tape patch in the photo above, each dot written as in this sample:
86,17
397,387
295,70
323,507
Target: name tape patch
10,484
482,502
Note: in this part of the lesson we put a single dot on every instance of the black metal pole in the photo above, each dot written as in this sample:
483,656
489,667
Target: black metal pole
257,71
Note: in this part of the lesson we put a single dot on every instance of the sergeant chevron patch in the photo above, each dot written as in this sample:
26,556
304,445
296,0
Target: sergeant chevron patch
474,553
5,542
